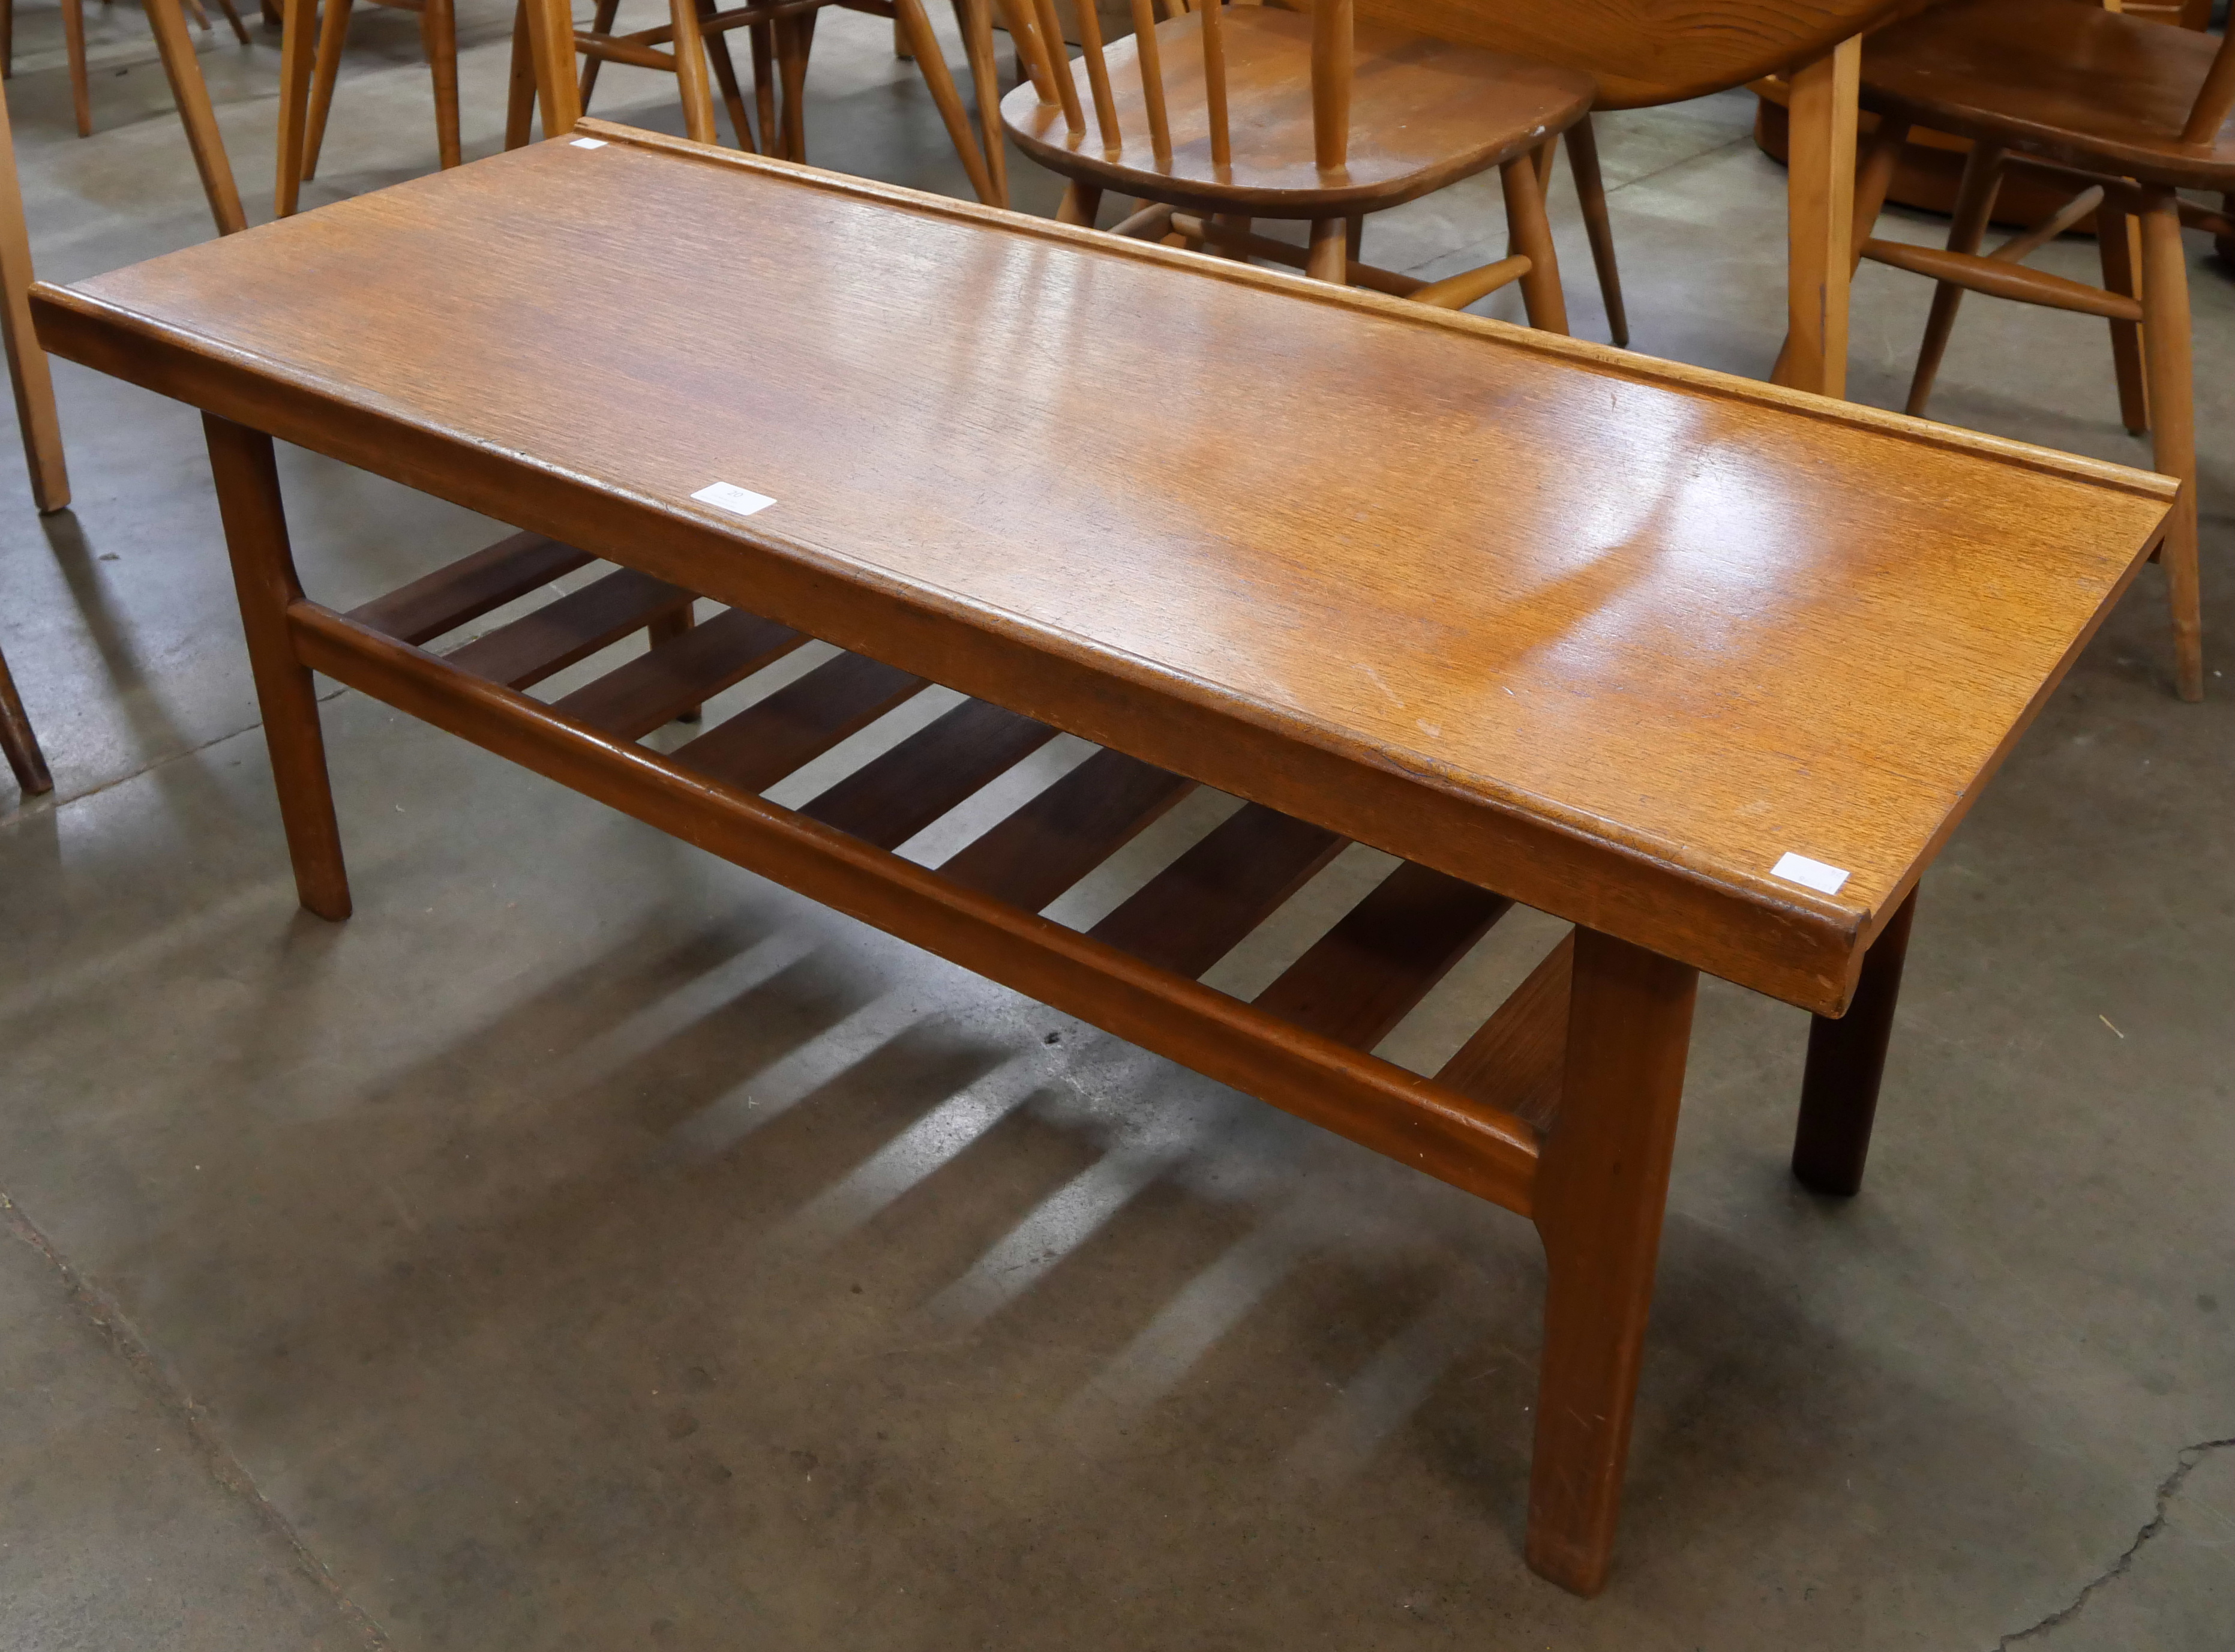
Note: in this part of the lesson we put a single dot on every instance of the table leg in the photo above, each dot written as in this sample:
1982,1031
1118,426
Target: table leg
1602,1182
264,577
1820,194
184,70
1846,1058
27,372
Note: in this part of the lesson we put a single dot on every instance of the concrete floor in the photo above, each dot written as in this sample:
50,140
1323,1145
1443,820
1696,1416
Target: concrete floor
597,1247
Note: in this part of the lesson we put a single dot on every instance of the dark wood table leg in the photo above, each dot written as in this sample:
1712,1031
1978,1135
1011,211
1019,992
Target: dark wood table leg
264,576
17,741
1846,1058
1602,1182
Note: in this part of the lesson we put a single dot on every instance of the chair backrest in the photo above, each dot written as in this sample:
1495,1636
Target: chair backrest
1333,31
1644,52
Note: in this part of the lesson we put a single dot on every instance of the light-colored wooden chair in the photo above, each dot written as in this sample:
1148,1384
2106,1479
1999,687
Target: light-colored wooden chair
2128,112
1217,116
546,45
73,44
438,33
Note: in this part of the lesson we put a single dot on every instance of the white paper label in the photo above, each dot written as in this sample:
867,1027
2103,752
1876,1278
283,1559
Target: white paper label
589,143
727,495
1799,868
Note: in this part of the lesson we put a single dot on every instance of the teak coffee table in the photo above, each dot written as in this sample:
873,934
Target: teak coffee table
1709,668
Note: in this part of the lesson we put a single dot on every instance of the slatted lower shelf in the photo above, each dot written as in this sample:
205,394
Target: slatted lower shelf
1302,1044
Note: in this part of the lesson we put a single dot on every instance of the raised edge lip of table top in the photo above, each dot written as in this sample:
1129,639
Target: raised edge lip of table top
1840,928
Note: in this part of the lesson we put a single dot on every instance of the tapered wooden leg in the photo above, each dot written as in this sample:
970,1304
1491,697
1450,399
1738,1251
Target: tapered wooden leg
20,746
28,373
232,19
795,39
73,44
1974,206
975,19
1873,177
333,34
671,625
1079,204
697,93
264,578
933,63
7,39
1329,258
2114,244
762,39
551,48
438,31
520,95
2173,423
184,71
1529,233
601,23
1354,238
1846,1060
725,81
1590,188
1602,1183
1820,194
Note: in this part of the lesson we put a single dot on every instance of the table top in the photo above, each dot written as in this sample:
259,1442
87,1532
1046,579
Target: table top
1609,635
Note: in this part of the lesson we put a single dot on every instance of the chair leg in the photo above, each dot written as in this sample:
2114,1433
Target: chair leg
2172,417
1601,1186
232,17
975,19
765,119
1079,204
931,62
7,39
601,23
1329,258
1530,233
18,742
1590,188
794,40
29,375
2115,231
520,93
1974,206
333,34
81,88
725,81
438,31
188,90
698,94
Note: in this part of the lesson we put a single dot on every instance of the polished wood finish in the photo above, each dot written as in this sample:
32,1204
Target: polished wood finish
1846,1058
29,376
1603,635
2135,111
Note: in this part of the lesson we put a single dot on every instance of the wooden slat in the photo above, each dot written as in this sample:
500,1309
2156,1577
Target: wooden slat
575,627
469,587
1361,977
1379,1105
1068,830
1516,1060
893,797
1198,908
798,723
679,673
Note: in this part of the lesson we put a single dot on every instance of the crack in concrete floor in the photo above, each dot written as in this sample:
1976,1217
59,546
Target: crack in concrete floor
2185,1463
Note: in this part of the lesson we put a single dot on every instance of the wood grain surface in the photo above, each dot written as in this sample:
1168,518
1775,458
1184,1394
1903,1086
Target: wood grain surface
1607,636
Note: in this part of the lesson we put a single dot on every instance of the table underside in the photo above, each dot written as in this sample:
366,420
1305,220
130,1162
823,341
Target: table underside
1303,1044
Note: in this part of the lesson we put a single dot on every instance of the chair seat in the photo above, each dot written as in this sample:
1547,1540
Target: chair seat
1424,114
2083,87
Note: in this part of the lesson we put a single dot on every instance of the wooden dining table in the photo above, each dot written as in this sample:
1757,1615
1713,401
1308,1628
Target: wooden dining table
1708,668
